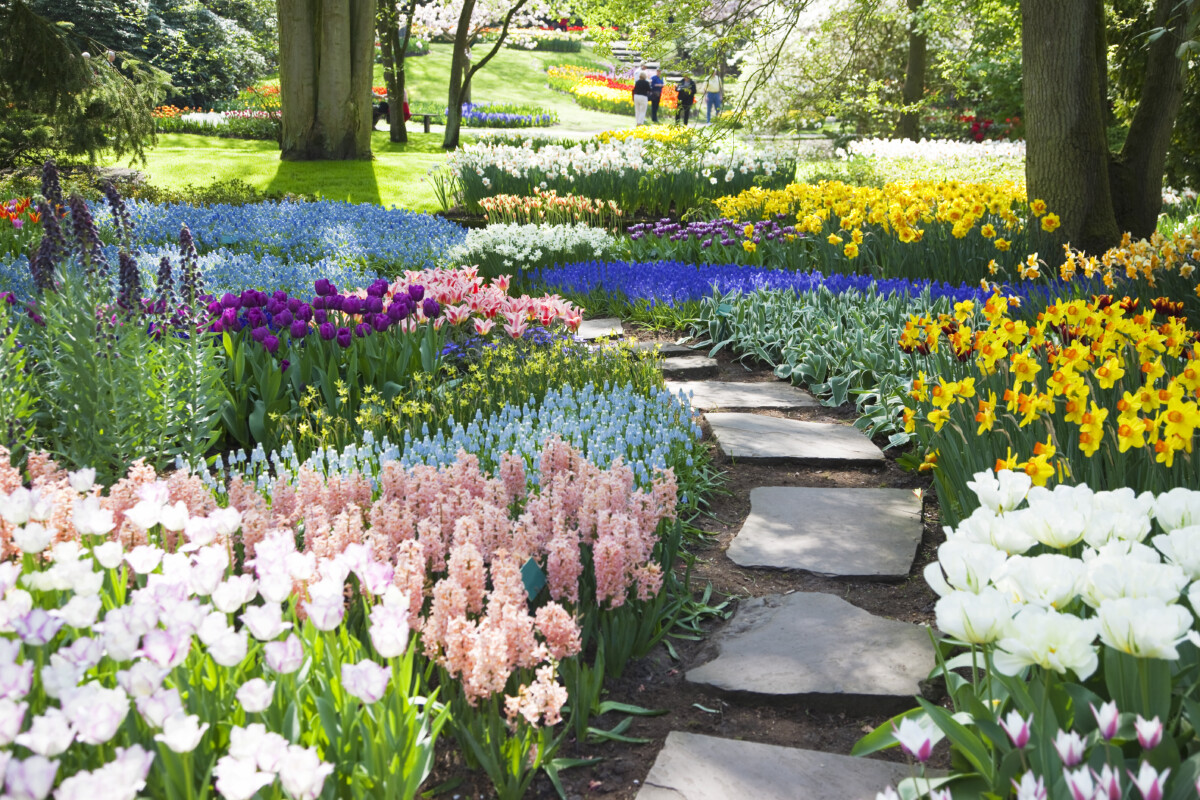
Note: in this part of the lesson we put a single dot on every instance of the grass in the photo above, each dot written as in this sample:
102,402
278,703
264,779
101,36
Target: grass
393,178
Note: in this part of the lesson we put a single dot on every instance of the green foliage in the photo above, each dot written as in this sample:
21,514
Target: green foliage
210,48
266,129
112,391
18,393
65,82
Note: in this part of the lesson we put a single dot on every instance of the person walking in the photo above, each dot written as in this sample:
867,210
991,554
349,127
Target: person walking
656,88
641,98
686,91
714,91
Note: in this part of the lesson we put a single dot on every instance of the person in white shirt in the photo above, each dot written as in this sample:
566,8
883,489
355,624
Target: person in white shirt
714,94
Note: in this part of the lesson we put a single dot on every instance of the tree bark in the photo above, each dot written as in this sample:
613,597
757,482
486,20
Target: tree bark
392,52
458,71
1136,173
914,75
455,109
1067,158
325,69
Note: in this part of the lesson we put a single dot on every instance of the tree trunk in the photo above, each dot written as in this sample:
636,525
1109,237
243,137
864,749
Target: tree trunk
392,53
1136,173
325,69
914,75
1067,157
458,73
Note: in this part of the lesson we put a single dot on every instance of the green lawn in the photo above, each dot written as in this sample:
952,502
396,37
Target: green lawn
513,76
396,175
393,178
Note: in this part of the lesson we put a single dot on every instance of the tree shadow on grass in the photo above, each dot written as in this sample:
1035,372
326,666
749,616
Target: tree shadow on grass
352,181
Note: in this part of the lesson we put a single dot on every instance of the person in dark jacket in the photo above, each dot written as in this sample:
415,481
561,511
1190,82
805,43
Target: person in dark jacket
656,87
687,95
641,98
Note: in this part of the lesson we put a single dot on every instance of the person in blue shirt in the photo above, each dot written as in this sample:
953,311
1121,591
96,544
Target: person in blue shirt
656,87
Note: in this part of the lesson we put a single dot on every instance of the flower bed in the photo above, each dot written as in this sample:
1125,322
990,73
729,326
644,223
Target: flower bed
1100,391
491,115
631,172
1028,583
550,208
601,92
171,695
947,231
510,249
246,123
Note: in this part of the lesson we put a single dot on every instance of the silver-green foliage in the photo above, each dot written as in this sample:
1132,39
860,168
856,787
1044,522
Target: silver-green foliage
837,345
17,390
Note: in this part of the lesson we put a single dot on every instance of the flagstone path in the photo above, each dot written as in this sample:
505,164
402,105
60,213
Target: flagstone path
807,650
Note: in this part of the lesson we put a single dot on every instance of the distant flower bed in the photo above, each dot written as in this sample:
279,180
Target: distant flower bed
490,115
601,92
243,123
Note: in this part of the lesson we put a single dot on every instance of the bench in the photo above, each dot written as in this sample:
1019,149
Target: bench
380,111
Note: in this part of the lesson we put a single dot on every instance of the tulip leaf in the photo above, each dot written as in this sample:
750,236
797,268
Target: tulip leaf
968,744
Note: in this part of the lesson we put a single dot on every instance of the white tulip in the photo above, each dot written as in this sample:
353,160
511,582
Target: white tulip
972,617
968,566
1053,641
1144,627
1177,508
1002,491
1046,580
1181,546
999,532
182,732
1111,576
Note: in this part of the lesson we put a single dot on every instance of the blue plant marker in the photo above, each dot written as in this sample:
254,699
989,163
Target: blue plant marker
534,578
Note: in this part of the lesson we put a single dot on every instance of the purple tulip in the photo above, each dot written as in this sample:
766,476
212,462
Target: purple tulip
271,343
343,337
249,299
215,307
303,311
327,331
229,320
282,319
284,364
298,329
321,316
374,305
274,306
260,333
352,305
334,302
431,308
256,317
280,295
415,293
381,322
293,305
397,311
318,302
362,329
229,301
378,288
325,288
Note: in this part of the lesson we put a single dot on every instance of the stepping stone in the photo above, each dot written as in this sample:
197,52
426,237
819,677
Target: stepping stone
603,328
862,533
708,395
665,348
821,651
695,767
772,440
689,367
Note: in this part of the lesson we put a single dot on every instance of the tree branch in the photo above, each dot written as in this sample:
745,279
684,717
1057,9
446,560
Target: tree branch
495,48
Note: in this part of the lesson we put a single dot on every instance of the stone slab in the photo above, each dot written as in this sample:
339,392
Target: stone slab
603,328
710,395
773,440
862,533
821,651
665,348
695,767
683,367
